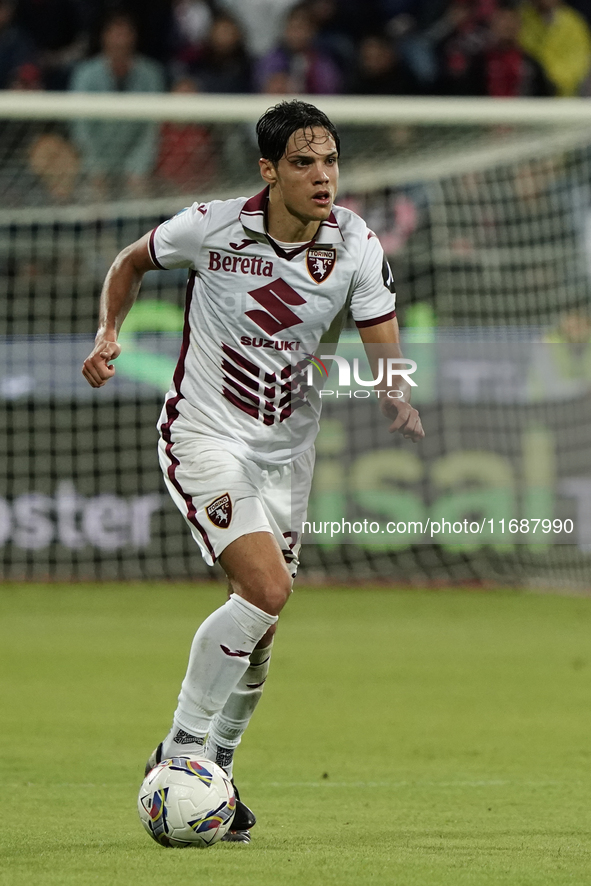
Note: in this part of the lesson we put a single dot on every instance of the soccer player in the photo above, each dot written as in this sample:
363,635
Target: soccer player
268,277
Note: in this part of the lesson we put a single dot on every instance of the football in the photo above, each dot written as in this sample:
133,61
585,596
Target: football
186,801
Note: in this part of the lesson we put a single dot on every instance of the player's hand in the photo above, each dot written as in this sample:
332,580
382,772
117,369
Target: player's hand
406,419
96,369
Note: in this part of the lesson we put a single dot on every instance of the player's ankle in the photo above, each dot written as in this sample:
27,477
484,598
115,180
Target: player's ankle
223,756
179,741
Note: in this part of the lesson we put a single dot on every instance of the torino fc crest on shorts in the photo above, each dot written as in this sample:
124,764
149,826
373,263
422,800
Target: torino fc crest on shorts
220,511
320,263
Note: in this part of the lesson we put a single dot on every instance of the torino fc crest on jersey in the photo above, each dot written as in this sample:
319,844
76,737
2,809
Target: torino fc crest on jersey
220,511
320,263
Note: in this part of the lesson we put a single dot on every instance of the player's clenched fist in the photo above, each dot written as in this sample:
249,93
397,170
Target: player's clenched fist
406,419
96,369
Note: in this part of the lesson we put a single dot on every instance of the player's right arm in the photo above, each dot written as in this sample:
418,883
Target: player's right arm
119,292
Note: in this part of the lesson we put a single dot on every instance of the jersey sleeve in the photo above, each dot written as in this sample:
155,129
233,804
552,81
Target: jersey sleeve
176,243
374,296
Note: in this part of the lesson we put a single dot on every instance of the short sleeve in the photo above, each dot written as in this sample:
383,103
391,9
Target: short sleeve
374,297
176,243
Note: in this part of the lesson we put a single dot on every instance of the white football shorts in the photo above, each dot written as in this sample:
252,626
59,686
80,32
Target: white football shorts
223,496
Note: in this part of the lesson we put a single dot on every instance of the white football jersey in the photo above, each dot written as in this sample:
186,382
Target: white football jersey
255,313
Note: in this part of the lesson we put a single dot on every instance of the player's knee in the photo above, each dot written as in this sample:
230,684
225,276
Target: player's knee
273,595
276,596
269,592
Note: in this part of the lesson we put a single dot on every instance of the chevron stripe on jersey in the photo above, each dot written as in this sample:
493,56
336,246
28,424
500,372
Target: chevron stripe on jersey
263,395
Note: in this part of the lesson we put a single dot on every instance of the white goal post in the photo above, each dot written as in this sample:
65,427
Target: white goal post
482,204
352,110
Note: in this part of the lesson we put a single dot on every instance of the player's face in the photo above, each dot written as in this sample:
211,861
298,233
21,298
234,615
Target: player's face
306,177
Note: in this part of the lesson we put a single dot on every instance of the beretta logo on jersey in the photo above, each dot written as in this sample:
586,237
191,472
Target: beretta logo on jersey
220,511
320,263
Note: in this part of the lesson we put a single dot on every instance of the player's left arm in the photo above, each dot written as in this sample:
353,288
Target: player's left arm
381,341
373,306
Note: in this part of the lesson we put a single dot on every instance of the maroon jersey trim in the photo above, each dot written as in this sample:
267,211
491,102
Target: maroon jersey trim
255,211
284,253
256,205
152,250
172,414
363,324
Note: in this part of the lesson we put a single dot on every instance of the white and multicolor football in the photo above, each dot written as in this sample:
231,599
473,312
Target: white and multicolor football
187,801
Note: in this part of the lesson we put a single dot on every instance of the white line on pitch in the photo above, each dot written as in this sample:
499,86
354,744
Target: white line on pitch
327,783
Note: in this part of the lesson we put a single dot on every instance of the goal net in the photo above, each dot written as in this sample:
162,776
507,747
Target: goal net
484,211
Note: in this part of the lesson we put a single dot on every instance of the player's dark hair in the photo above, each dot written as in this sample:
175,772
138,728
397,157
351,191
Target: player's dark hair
278,124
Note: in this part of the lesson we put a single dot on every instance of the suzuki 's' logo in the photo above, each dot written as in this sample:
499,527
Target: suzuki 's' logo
275,297
320,263
220,511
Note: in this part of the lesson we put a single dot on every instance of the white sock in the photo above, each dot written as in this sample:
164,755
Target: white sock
229,725
219,656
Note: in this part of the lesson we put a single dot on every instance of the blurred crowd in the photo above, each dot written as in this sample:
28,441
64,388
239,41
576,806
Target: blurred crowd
496,48
365,47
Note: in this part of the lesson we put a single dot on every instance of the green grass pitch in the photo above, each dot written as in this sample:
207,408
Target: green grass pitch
410,738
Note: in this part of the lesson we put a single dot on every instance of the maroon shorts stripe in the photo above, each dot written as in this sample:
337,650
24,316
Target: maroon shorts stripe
152,251
191,509
172,414
363,324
